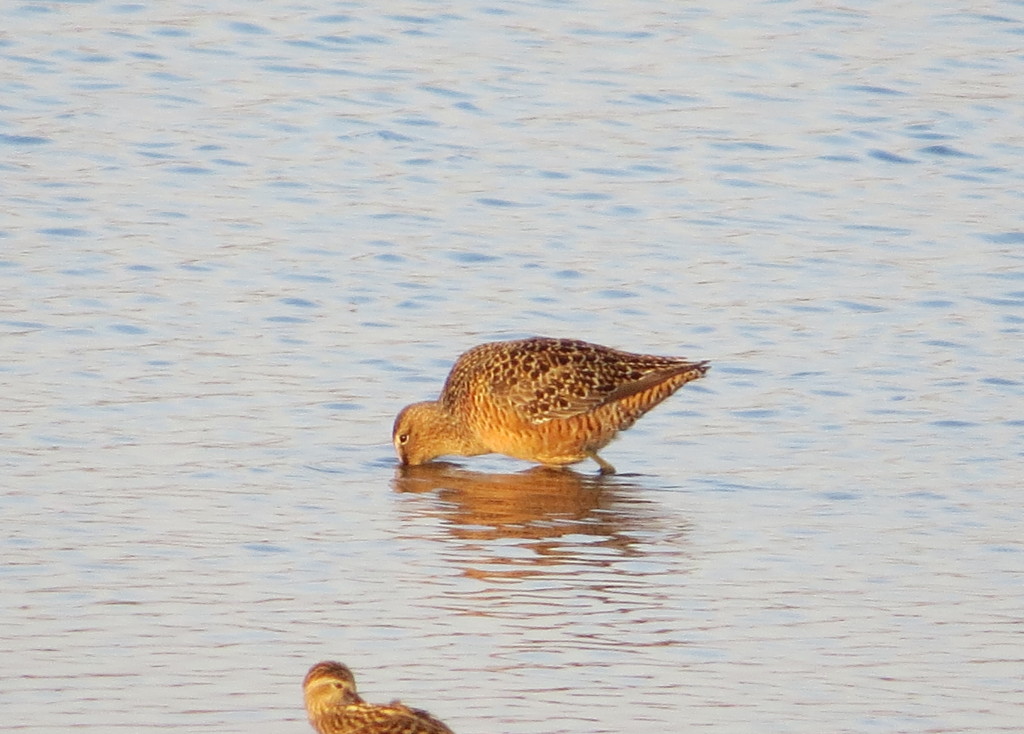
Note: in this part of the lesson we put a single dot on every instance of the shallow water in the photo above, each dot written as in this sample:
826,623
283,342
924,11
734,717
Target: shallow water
236,239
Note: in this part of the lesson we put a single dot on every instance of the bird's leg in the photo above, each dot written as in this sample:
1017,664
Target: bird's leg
606,468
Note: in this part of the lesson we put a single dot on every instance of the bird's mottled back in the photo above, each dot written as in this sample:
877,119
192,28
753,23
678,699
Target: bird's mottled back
543,379
393,718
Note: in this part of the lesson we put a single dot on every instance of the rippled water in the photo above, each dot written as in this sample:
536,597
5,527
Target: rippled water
237,238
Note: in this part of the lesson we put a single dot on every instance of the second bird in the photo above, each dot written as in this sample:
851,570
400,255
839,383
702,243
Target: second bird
550,401
334,707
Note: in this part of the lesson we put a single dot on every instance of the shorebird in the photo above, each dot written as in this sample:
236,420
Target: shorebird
334,707
550,401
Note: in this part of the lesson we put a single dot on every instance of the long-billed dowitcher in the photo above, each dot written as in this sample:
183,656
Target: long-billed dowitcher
334,707
551,401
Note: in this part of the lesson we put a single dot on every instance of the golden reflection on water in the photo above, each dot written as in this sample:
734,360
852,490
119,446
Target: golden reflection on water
564,517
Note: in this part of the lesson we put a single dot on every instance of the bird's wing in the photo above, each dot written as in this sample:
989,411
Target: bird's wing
575,378
395,718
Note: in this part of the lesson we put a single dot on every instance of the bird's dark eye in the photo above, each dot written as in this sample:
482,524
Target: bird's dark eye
403,438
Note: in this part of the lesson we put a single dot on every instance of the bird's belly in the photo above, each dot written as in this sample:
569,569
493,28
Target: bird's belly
555,442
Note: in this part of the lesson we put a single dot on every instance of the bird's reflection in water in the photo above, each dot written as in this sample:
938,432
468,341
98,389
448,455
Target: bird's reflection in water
562,516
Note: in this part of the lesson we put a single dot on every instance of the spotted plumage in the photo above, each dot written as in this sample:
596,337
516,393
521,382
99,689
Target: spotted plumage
551,401
334,707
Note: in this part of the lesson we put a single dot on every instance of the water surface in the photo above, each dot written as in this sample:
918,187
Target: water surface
237,238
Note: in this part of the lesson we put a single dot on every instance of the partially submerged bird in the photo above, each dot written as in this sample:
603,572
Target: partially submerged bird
334,707
551,401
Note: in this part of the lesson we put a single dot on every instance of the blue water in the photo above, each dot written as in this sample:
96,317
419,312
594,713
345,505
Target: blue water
236,238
